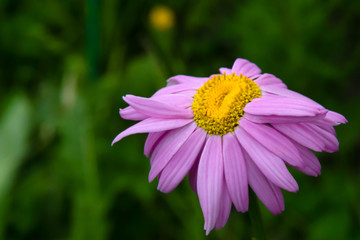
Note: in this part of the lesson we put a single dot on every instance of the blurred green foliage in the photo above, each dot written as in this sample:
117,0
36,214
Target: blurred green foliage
64,66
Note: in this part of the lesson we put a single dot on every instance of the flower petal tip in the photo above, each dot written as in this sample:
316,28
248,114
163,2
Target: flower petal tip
116,139
151,176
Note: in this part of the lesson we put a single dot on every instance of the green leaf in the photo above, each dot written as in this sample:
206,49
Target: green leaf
15,127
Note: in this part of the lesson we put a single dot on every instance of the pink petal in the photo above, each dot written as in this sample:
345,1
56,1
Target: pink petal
223,70
281,106
182,79
336,117
193,175
167,148
235,172
189,93
268,80
303,134
210,180
179,88
152,125
130,113
269,194
225,208
151,142
182,161
270,165
282,119
156,108
274,141
244,67
312,165
329,139
179,100
326,126
288,93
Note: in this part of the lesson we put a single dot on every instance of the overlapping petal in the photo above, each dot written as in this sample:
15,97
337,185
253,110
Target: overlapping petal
178,88
312,165
235,172
268,163
182,161
193,175
130,113
156,108
269,194
274,141
151,141
152,125
303,134
210,180
182,79
335,117
287,107
163,153
225,208
283,119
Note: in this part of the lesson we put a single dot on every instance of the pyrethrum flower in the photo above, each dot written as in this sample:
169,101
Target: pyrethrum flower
228,131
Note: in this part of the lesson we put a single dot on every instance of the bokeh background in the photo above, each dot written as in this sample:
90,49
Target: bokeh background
64,66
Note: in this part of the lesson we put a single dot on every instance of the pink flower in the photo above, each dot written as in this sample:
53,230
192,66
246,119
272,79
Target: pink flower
228,131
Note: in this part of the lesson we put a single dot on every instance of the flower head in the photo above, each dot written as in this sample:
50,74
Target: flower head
228,131
162,18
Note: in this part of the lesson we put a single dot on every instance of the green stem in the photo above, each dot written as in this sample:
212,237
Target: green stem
257,226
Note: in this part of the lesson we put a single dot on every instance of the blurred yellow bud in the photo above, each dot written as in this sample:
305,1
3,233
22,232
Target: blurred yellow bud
162,17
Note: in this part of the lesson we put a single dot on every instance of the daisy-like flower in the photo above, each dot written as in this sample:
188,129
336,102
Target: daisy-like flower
228,131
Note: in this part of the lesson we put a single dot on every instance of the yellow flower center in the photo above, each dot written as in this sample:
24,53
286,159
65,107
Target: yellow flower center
219,104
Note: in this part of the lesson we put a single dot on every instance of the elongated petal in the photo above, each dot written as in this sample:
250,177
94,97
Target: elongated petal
179,100
328,138
182,79
157,109
152,125
243,66
283,119
210,181
193,175
225,208
189,93
336,117
303,134
269,80
130,113
274,141
179,88
328,127
280,106
288,93
269,164
312,165
151,142
167,148
331,119
235,172
182,161
269,194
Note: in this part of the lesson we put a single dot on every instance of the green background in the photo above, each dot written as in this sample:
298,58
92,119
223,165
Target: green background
64,66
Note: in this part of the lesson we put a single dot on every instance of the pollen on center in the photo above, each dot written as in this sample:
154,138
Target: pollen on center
219,104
